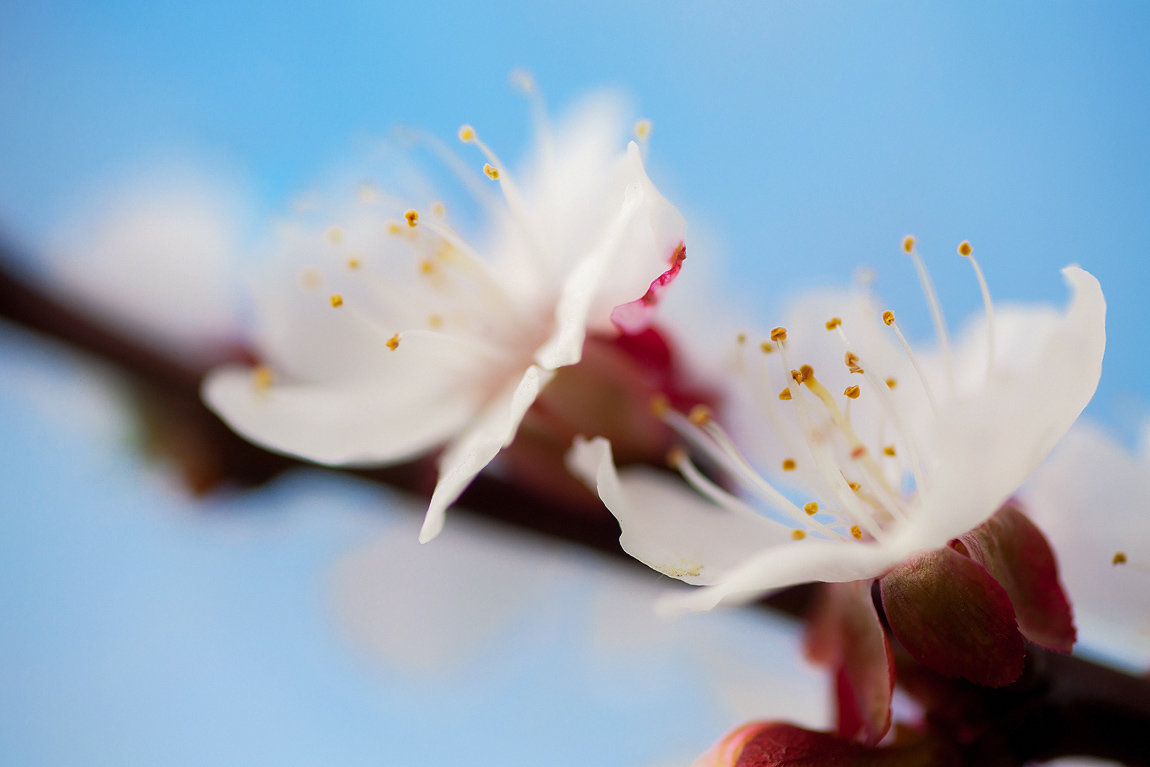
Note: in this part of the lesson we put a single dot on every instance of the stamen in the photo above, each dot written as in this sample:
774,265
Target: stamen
889,451
393,342
935,309
856,532
811,508
353,263
854,486
262,378
412,218
491,171
789,464
967,252
858,449
336,300
741,338
439,210
678,459
785,394
1119,558
852,362
891,410
888,318
700,415
466,134
852,392
798,535
643,130
660,405
766,347
721,449
334,235
778,335
833,323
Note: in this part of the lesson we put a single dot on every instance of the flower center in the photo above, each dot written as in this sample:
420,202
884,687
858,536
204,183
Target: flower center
858,483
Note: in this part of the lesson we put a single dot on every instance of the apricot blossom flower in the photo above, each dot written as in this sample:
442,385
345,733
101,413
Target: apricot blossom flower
891,454
416,337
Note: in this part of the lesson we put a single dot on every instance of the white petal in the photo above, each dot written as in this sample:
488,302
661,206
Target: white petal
987,445
635,246
426,393
666,525
792,563
469,453
1090,500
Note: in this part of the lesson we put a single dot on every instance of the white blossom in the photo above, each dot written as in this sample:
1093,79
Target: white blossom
927,447
419,337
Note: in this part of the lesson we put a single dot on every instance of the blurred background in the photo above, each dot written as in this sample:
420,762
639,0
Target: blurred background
801,141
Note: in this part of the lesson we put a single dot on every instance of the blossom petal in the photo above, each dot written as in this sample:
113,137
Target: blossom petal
988,444
951,615
1016,553
634,249
665,524
470,453
1090,500
417,405
786,565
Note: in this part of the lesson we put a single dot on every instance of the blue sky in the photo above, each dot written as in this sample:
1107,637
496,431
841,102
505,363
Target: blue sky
800,139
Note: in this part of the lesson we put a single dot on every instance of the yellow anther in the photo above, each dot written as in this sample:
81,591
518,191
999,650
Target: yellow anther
700,415
435,321
891,383
353,263
336,300
908,243
811,508
798,535
660,405
888,317
889,450
855,486
785,393
766,347
806,372
334,235
491,171
427,267
676,456
852,362
393,228
856,532
834,322
789,464
262,377
964,248
779,334
466,134
439,210
741,339
393,342
643,129
858,452
412,217
852,392
1119,558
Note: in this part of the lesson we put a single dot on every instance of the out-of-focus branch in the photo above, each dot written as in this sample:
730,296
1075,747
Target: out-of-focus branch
1063,705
